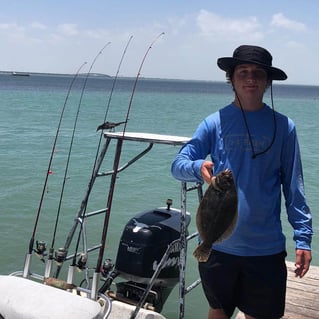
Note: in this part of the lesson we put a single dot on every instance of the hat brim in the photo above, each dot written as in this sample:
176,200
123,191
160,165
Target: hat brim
229,63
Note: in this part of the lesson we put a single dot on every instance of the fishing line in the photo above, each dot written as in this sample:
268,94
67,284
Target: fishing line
116,163
51,158
98,148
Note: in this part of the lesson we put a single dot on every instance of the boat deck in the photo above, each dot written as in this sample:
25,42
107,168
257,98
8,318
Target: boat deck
302,294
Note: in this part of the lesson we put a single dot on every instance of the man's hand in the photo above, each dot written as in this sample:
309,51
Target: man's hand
303,259
206,171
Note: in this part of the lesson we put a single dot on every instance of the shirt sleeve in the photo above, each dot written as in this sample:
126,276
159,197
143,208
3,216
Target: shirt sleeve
299,214
188,162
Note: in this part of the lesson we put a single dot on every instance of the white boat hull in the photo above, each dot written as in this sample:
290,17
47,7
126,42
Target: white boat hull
27,299
22,298
121,310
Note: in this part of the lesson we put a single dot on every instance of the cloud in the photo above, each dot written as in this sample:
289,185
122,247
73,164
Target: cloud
12,32
280,21
11,28
212,24
68,29
38,25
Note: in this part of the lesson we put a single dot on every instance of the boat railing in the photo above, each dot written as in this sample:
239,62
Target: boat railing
82,215
184,238
181,244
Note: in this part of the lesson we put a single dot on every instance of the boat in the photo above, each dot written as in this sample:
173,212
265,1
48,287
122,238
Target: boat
150,261
15,73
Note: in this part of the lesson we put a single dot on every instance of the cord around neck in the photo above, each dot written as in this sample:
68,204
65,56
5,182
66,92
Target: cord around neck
254,154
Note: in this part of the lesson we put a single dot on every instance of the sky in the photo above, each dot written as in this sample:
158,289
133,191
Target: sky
59,36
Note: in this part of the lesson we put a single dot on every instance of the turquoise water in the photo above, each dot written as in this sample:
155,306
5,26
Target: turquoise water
29,114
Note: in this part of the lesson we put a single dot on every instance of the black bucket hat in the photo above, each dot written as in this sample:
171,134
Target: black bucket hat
252,54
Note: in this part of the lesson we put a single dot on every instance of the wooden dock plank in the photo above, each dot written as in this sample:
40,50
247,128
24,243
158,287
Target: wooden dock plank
302,298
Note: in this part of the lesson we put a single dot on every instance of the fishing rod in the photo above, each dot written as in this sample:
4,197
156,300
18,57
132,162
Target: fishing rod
72,140
48,172
114,176
93,176
96,165
112,90
63,253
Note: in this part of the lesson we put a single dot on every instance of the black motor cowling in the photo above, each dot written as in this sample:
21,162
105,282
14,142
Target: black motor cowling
143,243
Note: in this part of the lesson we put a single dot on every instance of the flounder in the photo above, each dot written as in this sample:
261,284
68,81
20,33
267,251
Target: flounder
217,213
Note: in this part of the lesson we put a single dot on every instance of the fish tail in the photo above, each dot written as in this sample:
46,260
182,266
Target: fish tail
202,253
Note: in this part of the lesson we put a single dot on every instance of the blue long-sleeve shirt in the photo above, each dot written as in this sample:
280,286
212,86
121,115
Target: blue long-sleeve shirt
224,137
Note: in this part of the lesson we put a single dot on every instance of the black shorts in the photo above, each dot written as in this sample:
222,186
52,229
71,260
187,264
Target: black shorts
256,285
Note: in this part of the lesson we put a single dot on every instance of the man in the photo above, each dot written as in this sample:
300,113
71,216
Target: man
260,147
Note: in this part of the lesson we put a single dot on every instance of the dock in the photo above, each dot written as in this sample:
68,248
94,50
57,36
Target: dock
302,297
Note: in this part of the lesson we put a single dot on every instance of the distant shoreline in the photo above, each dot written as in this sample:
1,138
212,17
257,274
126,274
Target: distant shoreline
102,75
99,75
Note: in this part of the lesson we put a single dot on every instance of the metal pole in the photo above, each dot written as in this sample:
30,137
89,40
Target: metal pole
183,251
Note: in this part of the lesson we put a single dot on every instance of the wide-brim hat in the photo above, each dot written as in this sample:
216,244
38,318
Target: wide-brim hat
255,55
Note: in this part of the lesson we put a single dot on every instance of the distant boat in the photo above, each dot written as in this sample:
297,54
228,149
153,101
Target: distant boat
21,73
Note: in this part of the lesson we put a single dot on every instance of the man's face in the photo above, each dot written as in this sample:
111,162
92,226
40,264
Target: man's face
250,80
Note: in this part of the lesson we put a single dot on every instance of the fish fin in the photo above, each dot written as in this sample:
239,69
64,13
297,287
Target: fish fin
202,253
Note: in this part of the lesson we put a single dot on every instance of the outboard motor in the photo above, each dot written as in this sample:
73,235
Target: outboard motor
144,241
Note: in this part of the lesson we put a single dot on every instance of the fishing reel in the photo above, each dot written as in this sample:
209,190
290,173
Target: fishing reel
81,264
108,272
107,267
40,250
60,256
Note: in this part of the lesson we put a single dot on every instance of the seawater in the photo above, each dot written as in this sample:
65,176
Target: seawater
29,115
